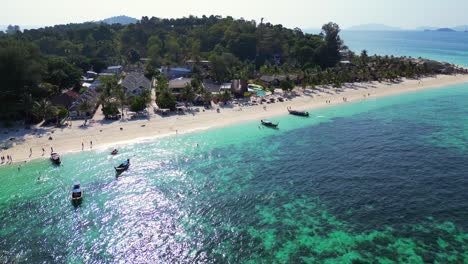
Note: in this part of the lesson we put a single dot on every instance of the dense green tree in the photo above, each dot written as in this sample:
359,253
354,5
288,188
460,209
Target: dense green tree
85,107
166,99
44,110
138,103
188,94
21,68
207,96
13,29
110,109
225,96
329,52
133,56
61,73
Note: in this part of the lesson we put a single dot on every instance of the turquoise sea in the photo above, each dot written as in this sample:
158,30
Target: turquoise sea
378,181
442,46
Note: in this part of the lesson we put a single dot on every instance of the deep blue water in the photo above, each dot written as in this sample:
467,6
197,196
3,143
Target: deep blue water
377,181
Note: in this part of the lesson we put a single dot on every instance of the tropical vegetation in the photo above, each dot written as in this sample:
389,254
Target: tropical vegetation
39,63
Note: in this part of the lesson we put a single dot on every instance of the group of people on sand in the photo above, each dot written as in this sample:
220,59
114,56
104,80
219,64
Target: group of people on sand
7,159
90,145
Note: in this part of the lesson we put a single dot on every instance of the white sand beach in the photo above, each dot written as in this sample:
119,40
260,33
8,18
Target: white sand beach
104,133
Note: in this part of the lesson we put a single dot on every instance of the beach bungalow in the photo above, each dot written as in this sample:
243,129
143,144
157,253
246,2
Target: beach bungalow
89,77
65,99
276,79
177,72
91,96
239,87
177,85
191,63
134,83
225,87
211,86
236,87
114,69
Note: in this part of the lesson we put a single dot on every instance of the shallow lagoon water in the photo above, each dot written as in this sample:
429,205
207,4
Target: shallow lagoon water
380,180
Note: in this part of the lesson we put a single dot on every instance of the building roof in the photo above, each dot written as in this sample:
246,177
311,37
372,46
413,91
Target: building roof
118,67
279,77
194,61
179,83
226,86
177,69
90,95
211,86
65,99
106,74
134,81
95,84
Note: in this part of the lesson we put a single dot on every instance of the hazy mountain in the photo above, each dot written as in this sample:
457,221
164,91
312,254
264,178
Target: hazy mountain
373,27
461,28
445,30
441,30
124,20
425,28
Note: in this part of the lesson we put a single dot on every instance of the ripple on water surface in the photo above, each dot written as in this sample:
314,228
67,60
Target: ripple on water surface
375,181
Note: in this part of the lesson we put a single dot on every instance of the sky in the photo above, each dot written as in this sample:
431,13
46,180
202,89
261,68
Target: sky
291,13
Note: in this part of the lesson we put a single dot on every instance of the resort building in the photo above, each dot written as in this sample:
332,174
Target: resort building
89,77
276,79
173,73
211,86
135,83
114,69
239,87
65,99
177,85
236,87
91,96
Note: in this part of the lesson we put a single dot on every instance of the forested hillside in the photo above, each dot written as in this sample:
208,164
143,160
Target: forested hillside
173,41
40,63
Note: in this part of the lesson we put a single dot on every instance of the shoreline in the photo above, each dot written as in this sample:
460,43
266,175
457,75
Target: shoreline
106,134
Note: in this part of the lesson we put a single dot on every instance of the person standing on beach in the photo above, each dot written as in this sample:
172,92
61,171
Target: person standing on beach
43,151
51,150
82,146
91,144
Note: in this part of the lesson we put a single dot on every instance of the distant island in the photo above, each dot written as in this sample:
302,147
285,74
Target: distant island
383,27
373,27
442,30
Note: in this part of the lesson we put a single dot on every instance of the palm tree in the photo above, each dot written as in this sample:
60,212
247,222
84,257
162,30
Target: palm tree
121,98
24,104
188,94
207,96
44,109
85,107
225,96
